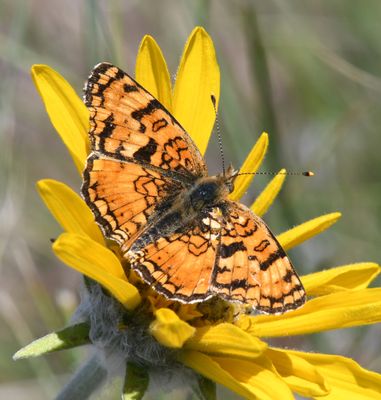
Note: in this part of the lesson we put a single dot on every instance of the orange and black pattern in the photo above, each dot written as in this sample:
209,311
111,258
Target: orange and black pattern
148,188
251,265
179,264
128,124
123,195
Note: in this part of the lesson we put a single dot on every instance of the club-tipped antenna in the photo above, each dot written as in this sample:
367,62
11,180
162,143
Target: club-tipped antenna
304,173
219,138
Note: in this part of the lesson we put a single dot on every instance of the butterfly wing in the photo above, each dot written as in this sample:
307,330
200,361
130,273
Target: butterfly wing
141,156
231,254
179,265
128,124
125,197
252,267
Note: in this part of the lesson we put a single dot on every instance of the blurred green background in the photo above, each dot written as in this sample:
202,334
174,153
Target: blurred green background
309,73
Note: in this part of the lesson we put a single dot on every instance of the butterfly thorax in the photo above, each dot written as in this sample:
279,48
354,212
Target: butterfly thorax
188,208
206,192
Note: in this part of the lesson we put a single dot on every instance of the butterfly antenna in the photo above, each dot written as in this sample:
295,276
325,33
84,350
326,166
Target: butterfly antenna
305,173
219,138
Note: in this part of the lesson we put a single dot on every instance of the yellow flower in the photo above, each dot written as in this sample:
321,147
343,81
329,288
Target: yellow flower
205,338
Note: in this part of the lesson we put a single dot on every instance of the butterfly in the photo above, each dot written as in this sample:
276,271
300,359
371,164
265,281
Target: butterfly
148,188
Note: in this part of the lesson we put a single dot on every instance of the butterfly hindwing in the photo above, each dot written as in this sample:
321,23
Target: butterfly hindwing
179,264
233,256
252,267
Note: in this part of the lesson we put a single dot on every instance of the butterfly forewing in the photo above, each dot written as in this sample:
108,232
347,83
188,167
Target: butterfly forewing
128,124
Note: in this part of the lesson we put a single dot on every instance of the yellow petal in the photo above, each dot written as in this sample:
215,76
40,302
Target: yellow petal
98,263
333,311
251,164
263,202
188,312
169,330
305,231
345,377
226,339
151,71
347,277
70,211
197,79
66,111
300,375
248,379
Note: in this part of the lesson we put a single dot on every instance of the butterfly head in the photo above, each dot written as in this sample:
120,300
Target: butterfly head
228,178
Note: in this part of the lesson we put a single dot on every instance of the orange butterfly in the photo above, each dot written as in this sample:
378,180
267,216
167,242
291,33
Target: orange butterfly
148,187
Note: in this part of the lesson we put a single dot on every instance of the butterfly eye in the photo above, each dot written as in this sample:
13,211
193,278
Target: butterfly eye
230,186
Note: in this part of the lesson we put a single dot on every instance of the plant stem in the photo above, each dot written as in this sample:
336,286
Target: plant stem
85,381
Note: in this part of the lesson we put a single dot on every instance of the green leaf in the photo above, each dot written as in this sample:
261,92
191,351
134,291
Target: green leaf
73,336
136,382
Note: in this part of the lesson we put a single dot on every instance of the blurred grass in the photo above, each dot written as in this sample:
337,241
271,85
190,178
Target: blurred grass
308,73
